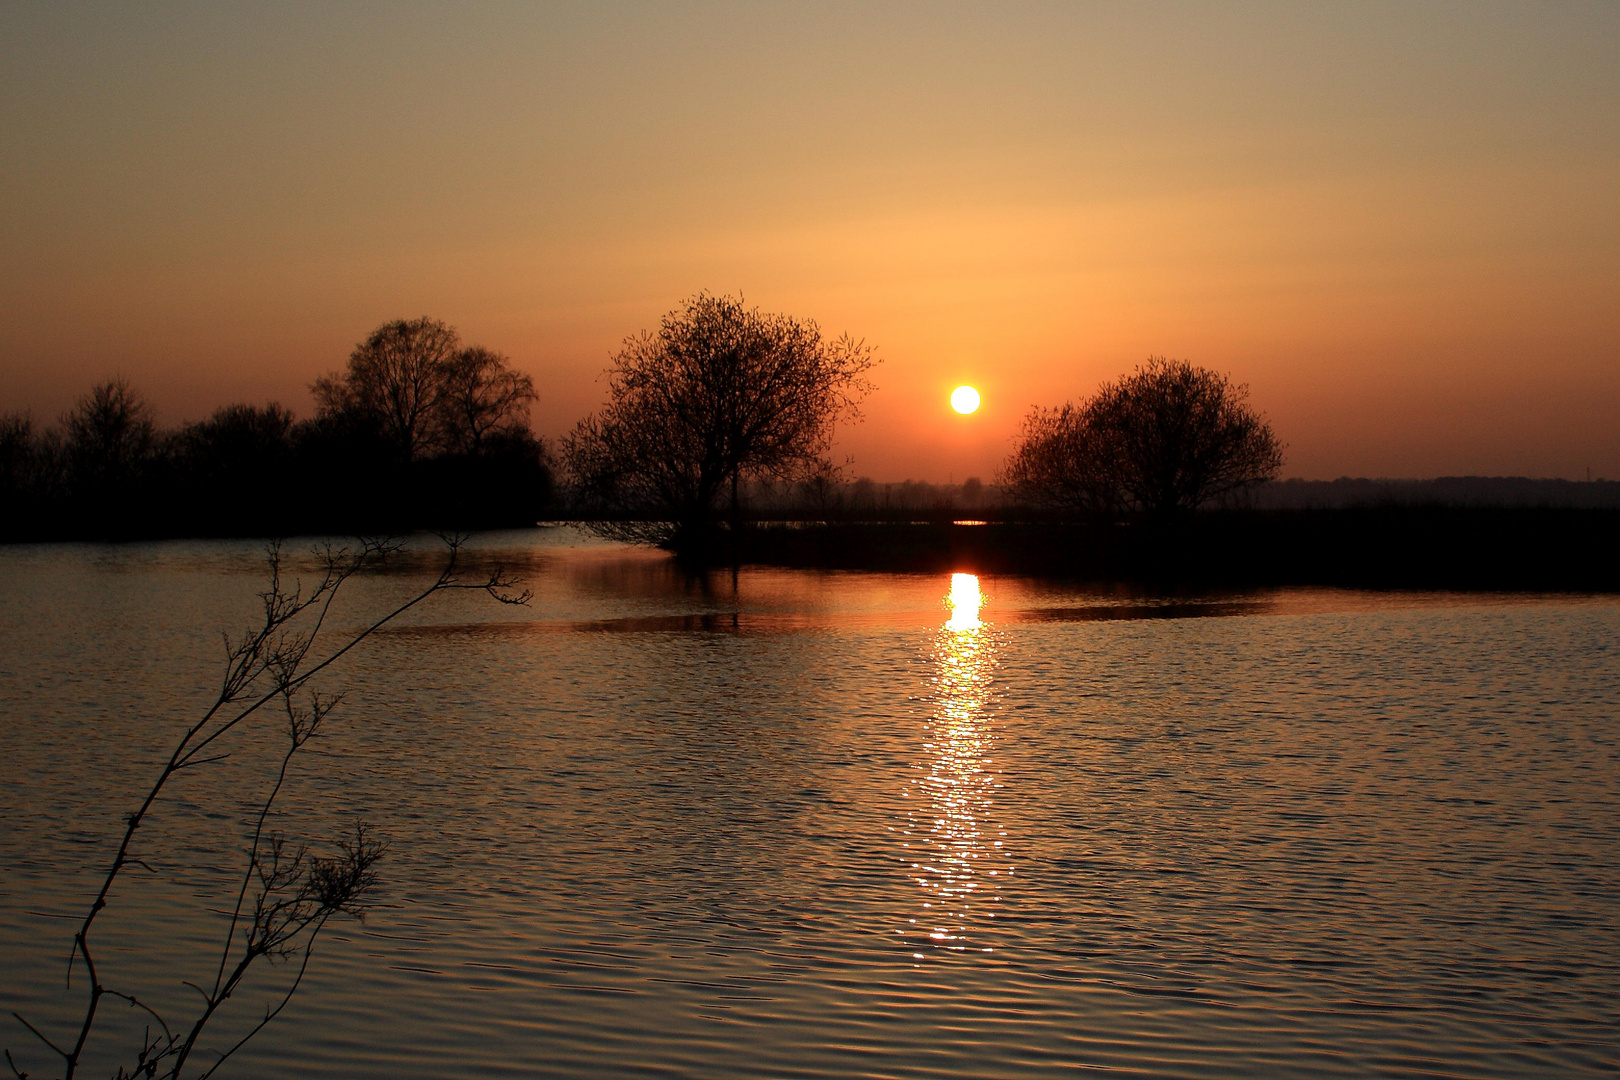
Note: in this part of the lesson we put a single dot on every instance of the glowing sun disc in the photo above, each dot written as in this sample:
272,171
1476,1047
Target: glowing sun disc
964,399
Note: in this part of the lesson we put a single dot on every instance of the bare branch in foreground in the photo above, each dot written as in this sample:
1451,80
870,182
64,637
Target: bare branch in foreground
287,892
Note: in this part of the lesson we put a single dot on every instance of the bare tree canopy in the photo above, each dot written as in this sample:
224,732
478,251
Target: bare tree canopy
395,380
482,398
413,385
110,434
1059,463
239,430
239,446
720,394
1167,438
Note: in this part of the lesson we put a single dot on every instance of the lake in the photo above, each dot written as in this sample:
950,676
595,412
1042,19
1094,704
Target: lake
806,824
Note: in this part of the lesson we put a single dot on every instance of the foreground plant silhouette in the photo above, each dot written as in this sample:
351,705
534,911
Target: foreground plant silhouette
287,893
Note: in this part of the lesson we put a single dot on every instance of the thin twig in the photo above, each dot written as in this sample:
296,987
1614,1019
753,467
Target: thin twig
320,887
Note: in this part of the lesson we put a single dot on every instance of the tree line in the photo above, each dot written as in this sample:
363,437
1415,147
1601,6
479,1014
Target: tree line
721,405
417,431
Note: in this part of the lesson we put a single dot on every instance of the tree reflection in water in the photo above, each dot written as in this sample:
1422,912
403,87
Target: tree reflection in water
954,845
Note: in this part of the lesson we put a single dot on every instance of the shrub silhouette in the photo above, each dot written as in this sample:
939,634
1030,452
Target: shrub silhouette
1166,439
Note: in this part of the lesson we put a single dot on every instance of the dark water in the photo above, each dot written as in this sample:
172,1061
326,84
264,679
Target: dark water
802,824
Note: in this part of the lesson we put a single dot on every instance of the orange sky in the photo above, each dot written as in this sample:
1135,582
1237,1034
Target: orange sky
1399,224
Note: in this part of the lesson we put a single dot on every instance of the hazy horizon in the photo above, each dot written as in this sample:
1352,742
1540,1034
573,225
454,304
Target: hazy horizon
1399,226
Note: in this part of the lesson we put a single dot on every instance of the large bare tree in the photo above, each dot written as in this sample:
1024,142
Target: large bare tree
720,394
412,384
395,382
482,398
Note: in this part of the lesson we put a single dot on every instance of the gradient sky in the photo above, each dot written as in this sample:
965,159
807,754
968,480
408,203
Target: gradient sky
1399,223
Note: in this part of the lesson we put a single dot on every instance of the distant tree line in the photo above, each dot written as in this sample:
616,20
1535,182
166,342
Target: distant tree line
722,416
863,499
838,498
1486,492
417,431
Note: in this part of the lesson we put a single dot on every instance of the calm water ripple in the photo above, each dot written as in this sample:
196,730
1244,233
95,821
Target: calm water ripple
809,824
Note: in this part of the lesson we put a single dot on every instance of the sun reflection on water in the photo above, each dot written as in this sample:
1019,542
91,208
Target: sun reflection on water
954,847
965,601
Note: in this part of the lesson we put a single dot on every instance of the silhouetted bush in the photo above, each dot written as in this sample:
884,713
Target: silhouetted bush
1166,439
110,442
30,464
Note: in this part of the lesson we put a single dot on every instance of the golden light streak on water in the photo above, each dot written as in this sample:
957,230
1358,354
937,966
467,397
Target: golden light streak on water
955,843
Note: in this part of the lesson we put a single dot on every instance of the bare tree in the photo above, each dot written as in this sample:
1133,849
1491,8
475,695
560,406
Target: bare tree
1059,463
720,394
29,458
395,380
110,436
1165,439
1179,436
286,893
482,397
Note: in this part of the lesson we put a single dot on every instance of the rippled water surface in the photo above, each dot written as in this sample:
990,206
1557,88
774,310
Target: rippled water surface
815,824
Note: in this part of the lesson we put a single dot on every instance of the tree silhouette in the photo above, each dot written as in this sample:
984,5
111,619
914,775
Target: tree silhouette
720,394
413,388
110,438
1059,463
237,449
394,383
1163,440
106,471
482,400
30,462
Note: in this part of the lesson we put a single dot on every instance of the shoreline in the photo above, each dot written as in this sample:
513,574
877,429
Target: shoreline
1397,548
1390,547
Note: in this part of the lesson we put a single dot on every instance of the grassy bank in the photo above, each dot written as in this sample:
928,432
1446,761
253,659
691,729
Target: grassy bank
1386,547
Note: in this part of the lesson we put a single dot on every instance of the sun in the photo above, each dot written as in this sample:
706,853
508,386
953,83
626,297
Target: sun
965,399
